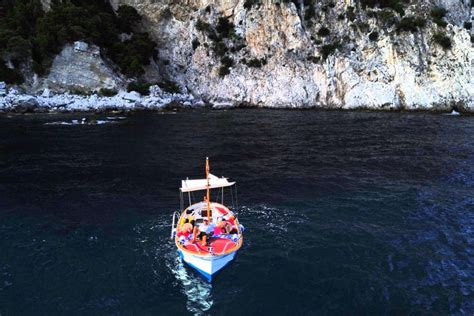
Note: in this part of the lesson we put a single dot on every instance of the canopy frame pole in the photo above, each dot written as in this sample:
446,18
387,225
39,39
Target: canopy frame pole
232,198
236,199
208,191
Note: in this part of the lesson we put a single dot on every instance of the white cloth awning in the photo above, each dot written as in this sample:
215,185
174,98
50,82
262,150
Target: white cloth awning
201,184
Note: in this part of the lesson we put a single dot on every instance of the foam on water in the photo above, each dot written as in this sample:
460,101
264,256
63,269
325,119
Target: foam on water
86,121
198,291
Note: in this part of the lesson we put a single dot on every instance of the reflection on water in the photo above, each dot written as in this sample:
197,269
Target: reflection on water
196,289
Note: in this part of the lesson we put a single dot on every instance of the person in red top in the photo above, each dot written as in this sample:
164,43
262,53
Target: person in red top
186,230
230,228
218,230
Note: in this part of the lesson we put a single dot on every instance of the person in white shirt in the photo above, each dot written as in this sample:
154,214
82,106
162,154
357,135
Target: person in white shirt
206,230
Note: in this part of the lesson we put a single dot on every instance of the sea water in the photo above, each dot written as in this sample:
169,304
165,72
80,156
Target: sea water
346,213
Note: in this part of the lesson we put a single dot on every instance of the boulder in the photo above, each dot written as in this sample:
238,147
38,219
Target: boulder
28,105
3,89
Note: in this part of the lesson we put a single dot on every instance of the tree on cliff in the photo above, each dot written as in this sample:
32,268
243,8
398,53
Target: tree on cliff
26,32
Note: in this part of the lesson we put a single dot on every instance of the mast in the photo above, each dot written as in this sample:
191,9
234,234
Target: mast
207,194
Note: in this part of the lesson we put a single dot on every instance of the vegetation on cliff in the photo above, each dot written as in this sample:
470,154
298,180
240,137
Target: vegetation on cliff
31,37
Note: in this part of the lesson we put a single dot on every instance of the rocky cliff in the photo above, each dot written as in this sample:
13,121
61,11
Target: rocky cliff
331,53
376,54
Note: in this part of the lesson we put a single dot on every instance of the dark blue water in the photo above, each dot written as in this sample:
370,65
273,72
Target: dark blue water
346,213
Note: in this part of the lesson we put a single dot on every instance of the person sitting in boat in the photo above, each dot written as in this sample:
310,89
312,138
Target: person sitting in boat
184,232
230,227
206,230
220,227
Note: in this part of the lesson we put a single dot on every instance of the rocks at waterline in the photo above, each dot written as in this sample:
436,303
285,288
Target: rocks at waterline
14,101
3,89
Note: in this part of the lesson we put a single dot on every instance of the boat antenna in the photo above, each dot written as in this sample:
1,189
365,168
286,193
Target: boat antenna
207,195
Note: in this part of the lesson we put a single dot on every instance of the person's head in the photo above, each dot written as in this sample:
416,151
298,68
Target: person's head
205,221
187,227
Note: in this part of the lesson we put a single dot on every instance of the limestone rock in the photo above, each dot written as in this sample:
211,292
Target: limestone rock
397,71
80,67
3,89
27,105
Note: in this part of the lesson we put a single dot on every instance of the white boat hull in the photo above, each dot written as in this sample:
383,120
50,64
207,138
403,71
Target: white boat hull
207,265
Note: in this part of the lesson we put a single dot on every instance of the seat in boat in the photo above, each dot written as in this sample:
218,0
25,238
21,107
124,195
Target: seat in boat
219,245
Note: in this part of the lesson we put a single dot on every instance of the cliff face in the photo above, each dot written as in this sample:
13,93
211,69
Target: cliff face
79,67
293,55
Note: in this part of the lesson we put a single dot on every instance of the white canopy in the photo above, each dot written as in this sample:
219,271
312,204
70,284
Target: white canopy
201,184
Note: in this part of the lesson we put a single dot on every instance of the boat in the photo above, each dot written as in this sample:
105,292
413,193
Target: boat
207,233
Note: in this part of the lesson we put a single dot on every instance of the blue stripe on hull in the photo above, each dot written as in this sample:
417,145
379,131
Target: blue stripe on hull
206,275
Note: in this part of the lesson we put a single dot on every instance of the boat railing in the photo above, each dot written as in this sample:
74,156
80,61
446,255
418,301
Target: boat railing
175,220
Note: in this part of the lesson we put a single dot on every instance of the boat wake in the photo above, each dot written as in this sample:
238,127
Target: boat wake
198,292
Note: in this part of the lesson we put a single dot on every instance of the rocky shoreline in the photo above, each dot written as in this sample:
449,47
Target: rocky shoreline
14,101
124,102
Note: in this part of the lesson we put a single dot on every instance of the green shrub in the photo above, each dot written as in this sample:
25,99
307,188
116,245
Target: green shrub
438,14
225,28
329,49
10,76
467,25
224,71
127,17
313,59
195,43
105,92
140,87
371,13
386,17
203,26
166,14
220,48
410,24
350,14
133,54
443,40
324,31
374,36
26,31
363,26
227,61
169,86
248,4
256,62
78,91
310,12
